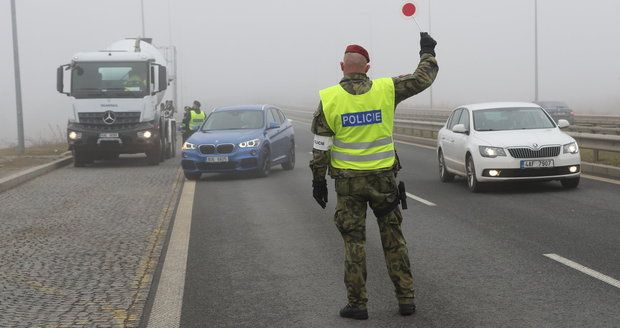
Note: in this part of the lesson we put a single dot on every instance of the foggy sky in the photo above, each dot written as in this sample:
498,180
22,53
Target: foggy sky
283,52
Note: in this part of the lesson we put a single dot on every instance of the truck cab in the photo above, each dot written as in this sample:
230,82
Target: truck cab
118,104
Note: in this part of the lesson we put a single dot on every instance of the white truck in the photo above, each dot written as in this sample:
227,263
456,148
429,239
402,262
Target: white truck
119,102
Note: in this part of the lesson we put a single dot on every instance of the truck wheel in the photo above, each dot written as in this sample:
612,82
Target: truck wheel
154,156
81,159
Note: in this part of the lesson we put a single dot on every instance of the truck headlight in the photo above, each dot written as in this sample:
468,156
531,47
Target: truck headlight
145,134
188,146
492,152
75,135
571,148
250,143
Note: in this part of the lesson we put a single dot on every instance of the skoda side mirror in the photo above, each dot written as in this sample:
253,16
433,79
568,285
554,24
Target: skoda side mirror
460,128
563,123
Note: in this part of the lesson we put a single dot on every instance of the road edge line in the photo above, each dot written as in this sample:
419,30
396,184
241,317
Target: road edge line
19,178
168,302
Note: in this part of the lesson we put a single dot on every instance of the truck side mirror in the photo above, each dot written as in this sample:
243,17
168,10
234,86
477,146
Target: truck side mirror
60,79
163,79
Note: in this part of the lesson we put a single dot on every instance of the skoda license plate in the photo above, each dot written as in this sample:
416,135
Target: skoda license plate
537,163
108,135
217,159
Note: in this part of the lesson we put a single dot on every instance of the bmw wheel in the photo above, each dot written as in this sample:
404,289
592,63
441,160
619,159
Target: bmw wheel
265,166
444,175
290,162
472,181
192,175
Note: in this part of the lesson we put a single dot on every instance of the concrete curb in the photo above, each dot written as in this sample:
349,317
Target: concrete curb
600,170
16,179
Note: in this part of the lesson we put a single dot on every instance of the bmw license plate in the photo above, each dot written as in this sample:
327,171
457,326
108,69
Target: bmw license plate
217,159
108,135
536,163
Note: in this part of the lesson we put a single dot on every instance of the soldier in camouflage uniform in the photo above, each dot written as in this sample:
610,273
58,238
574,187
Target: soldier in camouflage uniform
377,187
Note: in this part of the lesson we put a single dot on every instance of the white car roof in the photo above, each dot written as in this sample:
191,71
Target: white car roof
492,105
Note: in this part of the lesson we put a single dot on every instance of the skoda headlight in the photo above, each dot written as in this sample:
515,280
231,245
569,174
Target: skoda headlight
492,152
250,143
571,148
188,146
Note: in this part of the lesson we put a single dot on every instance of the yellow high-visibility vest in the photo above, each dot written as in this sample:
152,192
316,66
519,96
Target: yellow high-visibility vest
196,119
363,126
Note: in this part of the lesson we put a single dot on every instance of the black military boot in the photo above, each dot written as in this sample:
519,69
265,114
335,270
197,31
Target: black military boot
353,312
406,309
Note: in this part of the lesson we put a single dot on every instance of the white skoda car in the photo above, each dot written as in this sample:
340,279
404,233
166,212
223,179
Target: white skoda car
506,141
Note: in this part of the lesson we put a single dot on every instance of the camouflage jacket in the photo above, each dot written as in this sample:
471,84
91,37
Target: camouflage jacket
405,86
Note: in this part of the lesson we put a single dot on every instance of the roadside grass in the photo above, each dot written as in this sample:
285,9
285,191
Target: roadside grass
54,143
604,157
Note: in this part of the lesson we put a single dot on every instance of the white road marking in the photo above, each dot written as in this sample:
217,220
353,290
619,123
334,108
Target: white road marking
415,144
421,200
583,269
601,179
166,311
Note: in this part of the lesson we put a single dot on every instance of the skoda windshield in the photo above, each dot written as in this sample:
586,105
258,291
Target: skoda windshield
234,120
501,119
109,80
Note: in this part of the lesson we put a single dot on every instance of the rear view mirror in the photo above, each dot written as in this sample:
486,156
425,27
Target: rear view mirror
459,128
163,79
273,125
563,123
60,79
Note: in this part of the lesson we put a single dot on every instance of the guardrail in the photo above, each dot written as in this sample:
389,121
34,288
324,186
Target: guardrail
429,129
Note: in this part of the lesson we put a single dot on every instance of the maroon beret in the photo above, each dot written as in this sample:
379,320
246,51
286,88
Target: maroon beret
354,48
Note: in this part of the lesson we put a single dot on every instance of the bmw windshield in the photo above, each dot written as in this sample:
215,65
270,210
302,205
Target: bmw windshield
501,119
109,80
234,120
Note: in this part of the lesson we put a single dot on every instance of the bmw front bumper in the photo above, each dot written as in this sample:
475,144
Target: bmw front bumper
240,160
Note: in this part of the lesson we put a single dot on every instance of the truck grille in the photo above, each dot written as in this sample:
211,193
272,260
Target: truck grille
548,151
120,118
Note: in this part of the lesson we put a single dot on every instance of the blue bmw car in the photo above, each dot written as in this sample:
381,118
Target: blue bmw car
250,138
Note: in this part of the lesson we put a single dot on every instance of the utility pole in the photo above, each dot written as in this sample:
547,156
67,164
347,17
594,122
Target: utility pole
18,85
535,50
142,10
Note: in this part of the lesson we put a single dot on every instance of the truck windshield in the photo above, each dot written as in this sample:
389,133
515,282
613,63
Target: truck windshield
109,80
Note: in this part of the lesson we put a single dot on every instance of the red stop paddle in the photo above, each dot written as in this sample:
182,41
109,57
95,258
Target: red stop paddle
409,10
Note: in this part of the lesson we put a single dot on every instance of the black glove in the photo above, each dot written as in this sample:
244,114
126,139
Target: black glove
427,44
319,192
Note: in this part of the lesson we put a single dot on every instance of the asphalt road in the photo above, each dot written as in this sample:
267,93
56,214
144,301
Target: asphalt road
262,253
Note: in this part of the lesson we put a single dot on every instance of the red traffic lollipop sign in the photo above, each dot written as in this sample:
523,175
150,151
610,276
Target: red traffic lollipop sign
409,9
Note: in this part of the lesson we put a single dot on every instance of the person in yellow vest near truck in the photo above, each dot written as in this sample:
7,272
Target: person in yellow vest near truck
192,120
353,129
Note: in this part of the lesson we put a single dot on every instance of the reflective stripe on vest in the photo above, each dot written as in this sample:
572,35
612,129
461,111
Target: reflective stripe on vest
363,126
196,119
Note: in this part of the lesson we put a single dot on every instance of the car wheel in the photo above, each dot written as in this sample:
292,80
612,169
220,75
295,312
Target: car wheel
290,162
444,175
192,175
265,166
472,181
570,183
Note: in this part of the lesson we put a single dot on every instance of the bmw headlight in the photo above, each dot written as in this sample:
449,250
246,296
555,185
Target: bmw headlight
188,146
492,152
250,143
571,148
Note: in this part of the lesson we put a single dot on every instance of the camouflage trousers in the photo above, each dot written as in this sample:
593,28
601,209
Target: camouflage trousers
380,192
